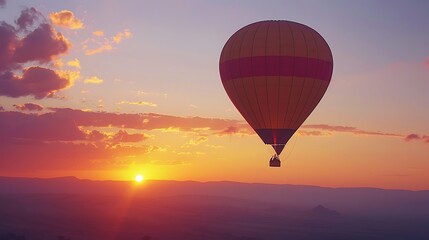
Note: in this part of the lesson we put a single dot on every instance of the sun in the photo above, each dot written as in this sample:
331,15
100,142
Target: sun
139,178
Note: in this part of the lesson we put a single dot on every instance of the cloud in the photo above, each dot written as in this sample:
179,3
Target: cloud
234,130
121,35
41,45
96,135
347,129
1,108
124,136
66,19
37,81
27,18
93,80
29,107
145,121
98,33
416,137
195,142
2,3
100,49
74,63
411,137
106,44
313,133
141,103
21,46
324,129
46,127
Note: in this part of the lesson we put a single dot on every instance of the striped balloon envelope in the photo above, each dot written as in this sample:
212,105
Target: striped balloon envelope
275,73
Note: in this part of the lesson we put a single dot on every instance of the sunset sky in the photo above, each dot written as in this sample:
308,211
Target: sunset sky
109,89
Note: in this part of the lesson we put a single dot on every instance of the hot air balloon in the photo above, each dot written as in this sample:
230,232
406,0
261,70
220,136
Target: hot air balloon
275,73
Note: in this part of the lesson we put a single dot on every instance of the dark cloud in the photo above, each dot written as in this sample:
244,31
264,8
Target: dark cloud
1,108
28,17
96,135
124,136
39,45
411,137
9,42
2,3
29,107
37,81
145,121
45,127
417,137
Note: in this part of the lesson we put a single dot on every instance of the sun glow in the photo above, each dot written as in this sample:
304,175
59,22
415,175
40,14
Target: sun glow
139,178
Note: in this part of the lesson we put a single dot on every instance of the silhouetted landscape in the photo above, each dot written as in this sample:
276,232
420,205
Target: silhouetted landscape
70,208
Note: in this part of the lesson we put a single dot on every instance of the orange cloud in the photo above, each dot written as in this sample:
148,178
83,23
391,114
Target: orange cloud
93,80
121,35
98,33
66,19
105,45
100,49
74,63
29,107
195,142
313,133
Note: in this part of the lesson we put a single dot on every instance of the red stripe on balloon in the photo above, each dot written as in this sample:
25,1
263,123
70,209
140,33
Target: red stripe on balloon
287,66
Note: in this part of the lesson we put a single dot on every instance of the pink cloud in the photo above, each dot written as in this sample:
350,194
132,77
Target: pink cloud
29,107
41,45
7,46
1,108
411,137
46,127
2,3
416,137
235,130
347,129
313,133
17,49
96,135
145,121
37,81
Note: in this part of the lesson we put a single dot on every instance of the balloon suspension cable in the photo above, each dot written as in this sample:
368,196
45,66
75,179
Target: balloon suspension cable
293,147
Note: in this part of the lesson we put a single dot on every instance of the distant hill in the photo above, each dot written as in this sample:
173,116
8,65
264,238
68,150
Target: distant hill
321,211
41,209
346,200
